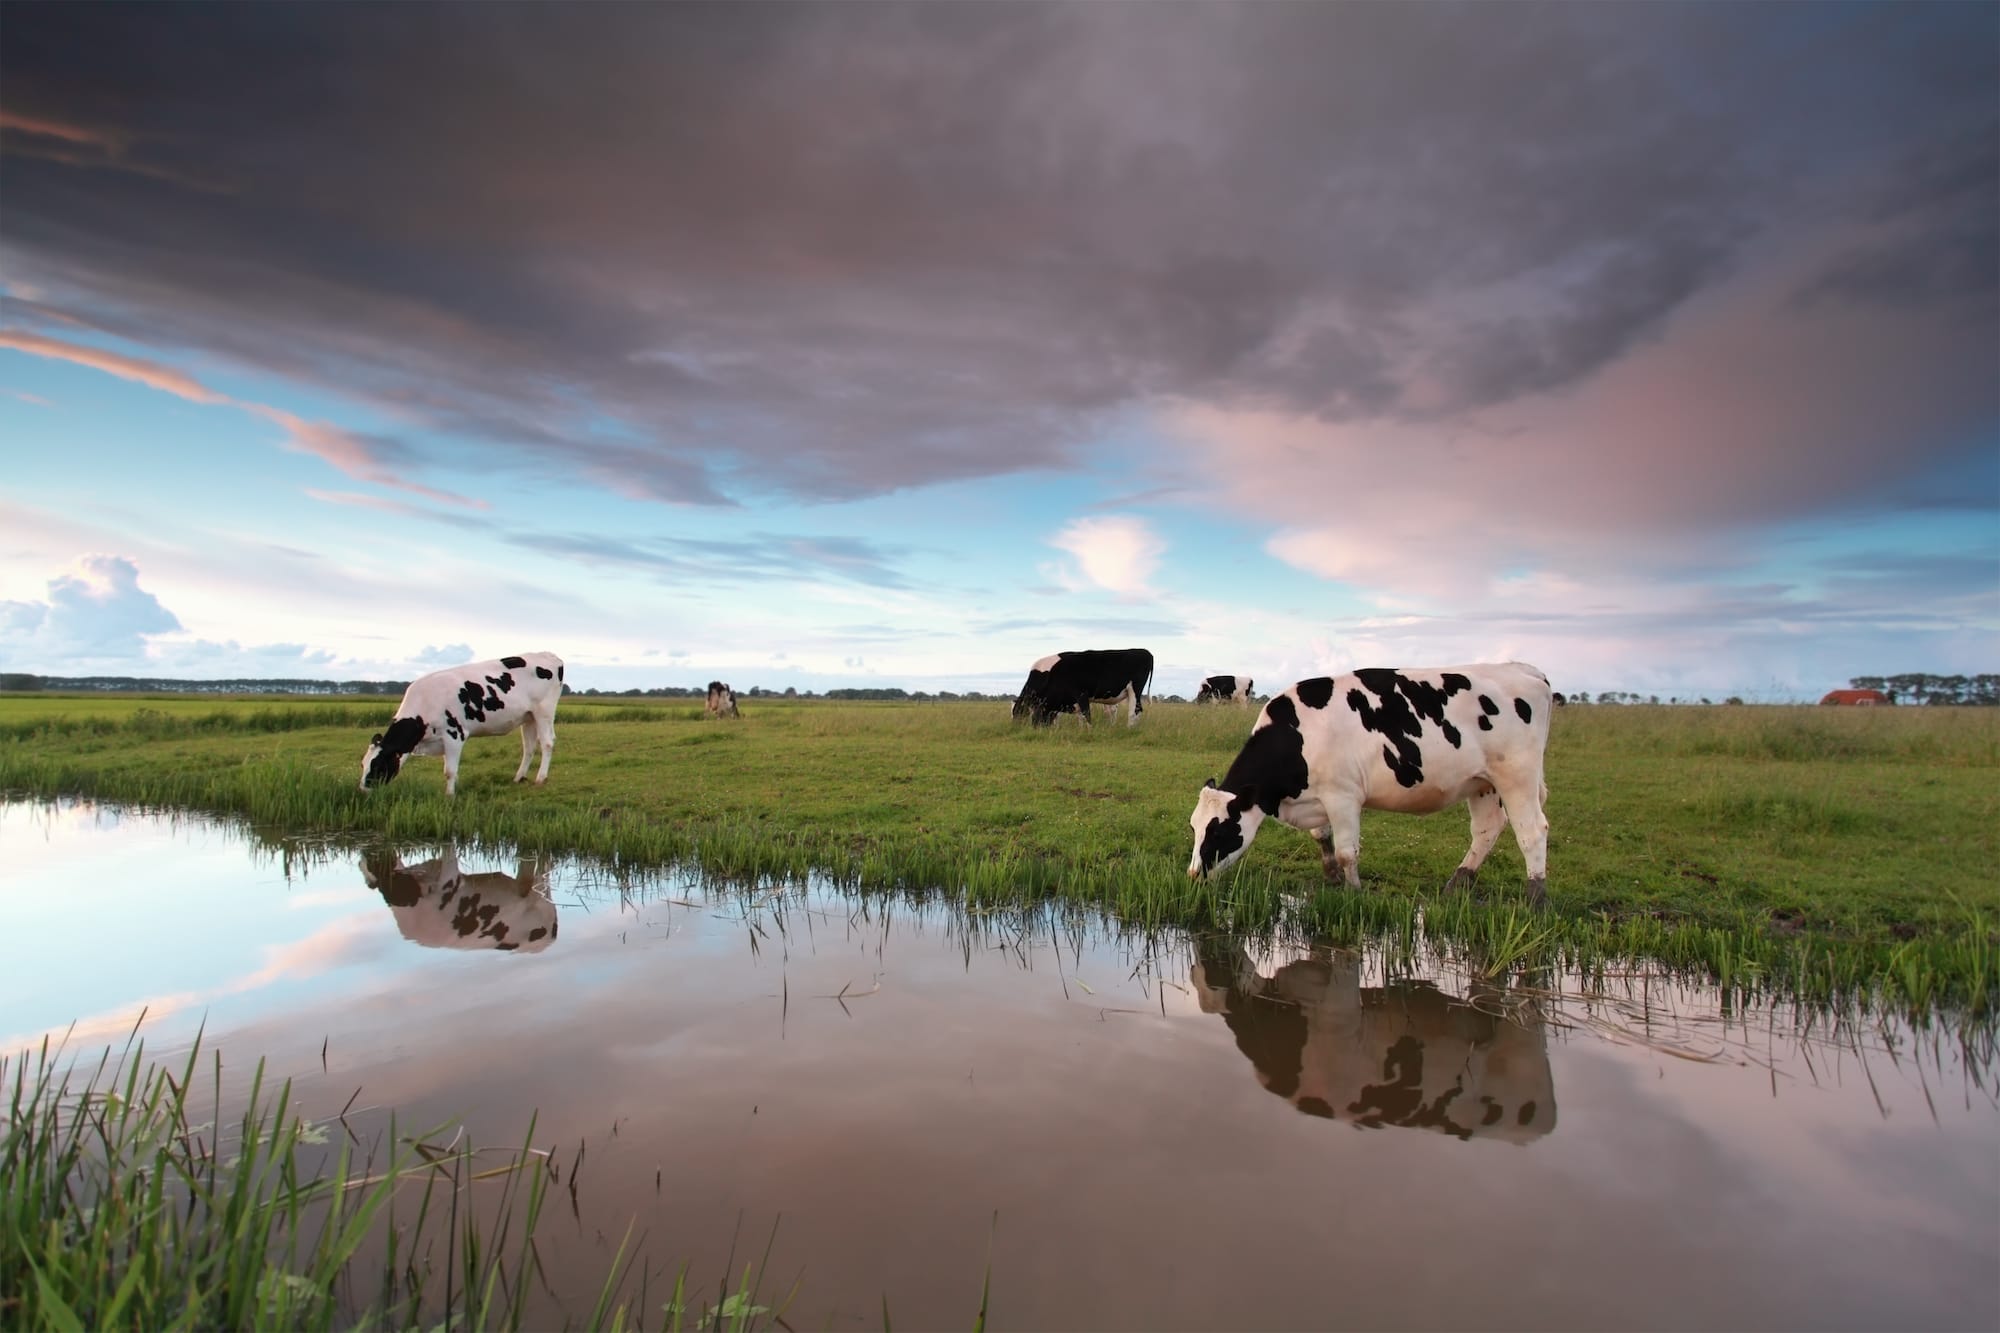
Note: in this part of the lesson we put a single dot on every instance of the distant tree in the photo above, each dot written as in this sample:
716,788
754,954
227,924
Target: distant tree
1733,699
19,680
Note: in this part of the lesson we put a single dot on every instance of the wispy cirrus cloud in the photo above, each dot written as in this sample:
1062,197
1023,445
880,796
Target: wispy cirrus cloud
364,458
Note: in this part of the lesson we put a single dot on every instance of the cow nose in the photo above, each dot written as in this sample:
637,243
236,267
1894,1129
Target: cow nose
1194,872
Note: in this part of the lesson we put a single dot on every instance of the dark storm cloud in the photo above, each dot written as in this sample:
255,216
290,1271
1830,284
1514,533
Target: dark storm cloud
710,251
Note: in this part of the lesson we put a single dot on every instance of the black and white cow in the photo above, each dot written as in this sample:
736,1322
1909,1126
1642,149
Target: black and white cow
1072,682
1415,740
440,711
1224,689
721,701
439,906
1405,1054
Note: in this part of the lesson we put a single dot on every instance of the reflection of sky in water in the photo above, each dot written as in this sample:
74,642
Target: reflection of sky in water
1148,1155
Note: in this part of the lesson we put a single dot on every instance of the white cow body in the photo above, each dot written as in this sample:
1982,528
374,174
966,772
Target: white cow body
1415,740
441,711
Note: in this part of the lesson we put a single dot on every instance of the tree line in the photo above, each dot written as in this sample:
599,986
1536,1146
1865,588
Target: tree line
1919,687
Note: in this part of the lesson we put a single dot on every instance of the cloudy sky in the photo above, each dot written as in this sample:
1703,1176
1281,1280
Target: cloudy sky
849,344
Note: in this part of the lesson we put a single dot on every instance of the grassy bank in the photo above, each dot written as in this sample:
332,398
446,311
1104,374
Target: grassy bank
1817,852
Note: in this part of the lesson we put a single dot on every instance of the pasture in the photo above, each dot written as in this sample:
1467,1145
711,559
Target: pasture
1810,851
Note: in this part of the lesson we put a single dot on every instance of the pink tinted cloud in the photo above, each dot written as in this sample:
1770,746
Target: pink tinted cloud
109,140
1753,408
341,449
149,373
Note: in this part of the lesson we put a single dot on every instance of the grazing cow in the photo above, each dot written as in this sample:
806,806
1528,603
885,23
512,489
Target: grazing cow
439,906
440,711
1072,682
721,700
1405,1054
1224,689
1416,740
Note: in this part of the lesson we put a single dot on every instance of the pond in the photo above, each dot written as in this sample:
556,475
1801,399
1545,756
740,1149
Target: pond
1142,1132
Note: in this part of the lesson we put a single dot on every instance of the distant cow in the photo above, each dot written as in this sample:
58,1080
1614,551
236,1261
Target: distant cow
439,906
1224,689
1416,740
441,710
1071,682
721,700
1405,1054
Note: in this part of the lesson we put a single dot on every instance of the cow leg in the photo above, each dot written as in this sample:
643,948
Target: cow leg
545,733
1083,707
1488,818
1340,845
1523,797
1132,718
452,750
527,750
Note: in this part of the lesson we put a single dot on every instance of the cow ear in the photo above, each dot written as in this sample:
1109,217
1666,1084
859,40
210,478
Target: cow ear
1211,784
377,740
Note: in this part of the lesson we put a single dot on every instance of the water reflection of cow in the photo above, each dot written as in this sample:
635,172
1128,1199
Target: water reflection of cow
440,906
1404,1054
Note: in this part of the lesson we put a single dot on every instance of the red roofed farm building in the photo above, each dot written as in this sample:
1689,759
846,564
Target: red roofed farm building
1856,697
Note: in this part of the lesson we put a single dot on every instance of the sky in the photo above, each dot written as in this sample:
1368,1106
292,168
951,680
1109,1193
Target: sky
869,344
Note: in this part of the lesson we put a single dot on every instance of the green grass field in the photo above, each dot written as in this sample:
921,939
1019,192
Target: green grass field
1816,852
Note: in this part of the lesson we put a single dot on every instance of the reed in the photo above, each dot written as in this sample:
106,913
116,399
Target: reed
119,1208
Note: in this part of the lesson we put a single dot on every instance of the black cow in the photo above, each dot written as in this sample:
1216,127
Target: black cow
1071,682
1224,689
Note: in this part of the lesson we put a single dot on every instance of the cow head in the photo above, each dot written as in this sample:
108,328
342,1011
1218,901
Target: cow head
383,759
1224,823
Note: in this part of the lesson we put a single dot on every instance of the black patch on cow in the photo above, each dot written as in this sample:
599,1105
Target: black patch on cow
1269,768
1222,838
393,746
1493,1113
538,932
515,663
559,674
1487,706
1315,693
1526,1115
1399,1099
452,728
1485,722
1398,713
1280,711
477,700
545,673
1526,713
1268,1029
1318,1106
504,682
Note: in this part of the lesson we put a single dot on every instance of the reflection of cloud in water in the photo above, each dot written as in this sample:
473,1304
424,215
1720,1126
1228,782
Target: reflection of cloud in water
1404,1054
439,906
340,943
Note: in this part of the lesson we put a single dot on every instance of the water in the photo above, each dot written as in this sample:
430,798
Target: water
1171,1136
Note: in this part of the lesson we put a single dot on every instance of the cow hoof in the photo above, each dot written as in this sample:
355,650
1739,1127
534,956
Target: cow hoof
1538,891
1461,878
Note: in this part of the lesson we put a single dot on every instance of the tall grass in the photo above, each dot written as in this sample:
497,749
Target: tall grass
119,1208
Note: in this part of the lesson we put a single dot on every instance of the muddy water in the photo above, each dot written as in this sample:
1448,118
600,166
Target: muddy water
1171,1137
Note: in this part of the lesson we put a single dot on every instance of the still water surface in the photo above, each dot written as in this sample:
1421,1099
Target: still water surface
1172,1135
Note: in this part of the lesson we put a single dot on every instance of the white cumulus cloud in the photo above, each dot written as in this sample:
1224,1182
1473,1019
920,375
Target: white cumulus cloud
1115,552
